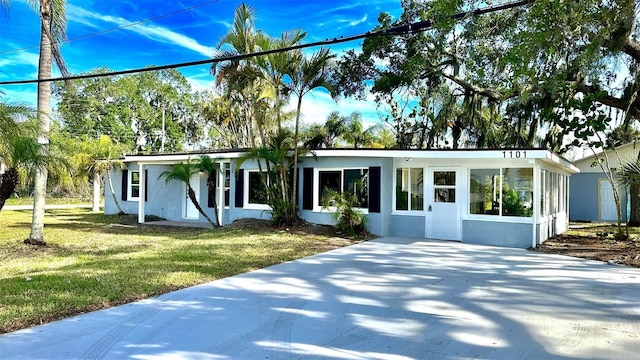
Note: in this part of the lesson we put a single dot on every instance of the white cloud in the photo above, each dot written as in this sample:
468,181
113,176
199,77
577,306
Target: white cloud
152,32
19,58
358,21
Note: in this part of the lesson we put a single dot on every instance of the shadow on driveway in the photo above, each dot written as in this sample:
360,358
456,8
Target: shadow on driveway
390,298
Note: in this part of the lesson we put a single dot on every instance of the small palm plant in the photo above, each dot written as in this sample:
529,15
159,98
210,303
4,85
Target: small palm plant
183,172
350,221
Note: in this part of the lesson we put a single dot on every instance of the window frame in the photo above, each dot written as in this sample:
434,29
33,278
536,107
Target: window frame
247,185
131,185
226,182
500,216
316,187
409,210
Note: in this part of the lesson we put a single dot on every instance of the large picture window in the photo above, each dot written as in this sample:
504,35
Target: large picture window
352,181
409,189
502,192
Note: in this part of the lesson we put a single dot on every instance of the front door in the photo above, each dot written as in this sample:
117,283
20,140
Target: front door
443,204
190,210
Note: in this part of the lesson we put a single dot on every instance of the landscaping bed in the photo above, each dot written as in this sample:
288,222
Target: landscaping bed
596,242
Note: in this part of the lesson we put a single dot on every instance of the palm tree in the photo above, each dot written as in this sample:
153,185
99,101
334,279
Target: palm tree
53,24
276,154
104,155
240,79
306,74
354,133
211,167
275,66
18,147
183,172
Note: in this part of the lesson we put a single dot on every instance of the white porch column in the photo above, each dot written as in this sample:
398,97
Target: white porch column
220,189
536,203
142,191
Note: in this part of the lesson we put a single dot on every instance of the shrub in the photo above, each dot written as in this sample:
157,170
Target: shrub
349,220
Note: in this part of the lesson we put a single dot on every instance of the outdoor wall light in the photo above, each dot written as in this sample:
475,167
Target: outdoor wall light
407,159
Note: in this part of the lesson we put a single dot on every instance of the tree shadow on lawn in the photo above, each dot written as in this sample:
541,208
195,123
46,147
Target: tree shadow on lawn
105,278
118,225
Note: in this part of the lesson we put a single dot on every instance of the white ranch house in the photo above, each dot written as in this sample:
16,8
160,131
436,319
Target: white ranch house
514,198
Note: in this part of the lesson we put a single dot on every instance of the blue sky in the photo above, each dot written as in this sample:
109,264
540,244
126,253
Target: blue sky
183,37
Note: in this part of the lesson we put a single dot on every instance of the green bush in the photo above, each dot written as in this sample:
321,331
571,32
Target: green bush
349,220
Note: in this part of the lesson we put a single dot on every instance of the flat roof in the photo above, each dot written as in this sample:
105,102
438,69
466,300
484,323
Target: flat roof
507,153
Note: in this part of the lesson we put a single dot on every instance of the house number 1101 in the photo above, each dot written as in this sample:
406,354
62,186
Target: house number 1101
514,154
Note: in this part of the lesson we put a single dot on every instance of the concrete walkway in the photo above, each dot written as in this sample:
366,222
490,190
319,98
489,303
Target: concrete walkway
385,299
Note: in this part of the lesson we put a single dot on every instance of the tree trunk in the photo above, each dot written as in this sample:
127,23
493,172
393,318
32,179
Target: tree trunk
8,185
113,193
96,191
194,200
294,186
634,195
211,184
44,111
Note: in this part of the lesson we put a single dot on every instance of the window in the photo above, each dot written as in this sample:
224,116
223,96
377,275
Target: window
134,185
409,189
352,181
504,192
444,186
485,195
517,192
257,190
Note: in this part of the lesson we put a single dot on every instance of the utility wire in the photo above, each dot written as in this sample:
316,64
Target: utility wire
117,28
392,31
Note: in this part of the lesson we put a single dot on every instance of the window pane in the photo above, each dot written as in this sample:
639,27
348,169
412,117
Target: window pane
444,178
417,192
356,182
547,192
257,190
402,189
445,195
227,182
485,191
517,192
134,184
329,180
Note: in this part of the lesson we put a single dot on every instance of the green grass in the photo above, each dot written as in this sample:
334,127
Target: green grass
49,200
94,261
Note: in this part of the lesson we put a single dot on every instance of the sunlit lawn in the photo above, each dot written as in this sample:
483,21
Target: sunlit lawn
49,200
93,262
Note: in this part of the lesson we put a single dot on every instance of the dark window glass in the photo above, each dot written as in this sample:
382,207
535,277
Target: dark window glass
257,190
135,184
356,183
227,184
329,180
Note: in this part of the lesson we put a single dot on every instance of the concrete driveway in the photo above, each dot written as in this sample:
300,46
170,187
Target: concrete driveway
385,299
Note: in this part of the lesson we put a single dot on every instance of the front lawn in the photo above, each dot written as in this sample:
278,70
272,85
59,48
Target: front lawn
93,261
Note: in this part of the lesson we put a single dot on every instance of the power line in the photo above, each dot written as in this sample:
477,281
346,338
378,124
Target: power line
392,31
119,27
